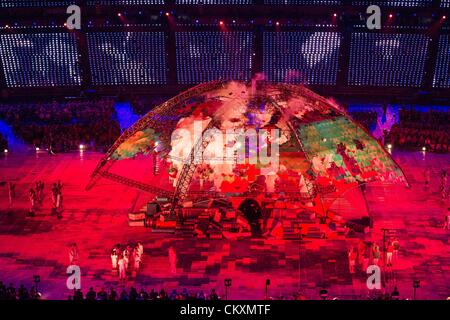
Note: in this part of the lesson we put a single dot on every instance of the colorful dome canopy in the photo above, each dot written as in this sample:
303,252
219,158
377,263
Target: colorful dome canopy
238,138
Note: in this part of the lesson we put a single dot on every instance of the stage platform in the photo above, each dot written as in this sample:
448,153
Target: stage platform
96,220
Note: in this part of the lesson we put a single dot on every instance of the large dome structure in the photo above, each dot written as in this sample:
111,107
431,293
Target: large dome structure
234,138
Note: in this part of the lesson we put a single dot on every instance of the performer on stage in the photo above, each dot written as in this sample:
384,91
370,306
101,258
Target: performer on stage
32,197
114,259
11,193
122,269
141,248
376,253
447,220
427,177
54,195
126,258
136,258
352,256
389,254
73,254
59,202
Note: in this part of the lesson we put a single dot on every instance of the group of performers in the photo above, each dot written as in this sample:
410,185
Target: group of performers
36,197
127,261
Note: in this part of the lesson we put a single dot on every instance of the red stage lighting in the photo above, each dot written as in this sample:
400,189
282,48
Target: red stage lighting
221,22
444,17
167,14
119,14
277,23
335,15
391,16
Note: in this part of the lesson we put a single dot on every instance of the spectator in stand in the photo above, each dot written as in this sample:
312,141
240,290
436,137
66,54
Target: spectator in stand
143,295
102,295
124,295
153,295
3,294
201,296
34,294
78,295
63,126
213,295
91,295
112,295
133,294
11,292
419,129
22,293
162,294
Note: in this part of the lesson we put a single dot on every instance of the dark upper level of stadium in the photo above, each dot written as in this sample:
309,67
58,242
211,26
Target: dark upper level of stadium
168,45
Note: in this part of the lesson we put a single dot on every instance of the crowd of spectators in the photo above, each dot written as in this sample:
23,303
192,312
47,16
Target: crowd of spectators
63,126
419,129
10,292
415,130
21,293
133,294
185,295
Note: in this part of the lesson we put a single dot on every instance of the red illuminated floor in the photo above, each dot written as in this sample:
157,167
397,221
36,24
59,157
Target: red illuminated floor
97,220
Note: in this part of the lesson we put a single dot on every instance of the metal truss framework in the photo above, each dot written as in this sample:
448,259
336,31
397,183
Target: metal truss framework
185,178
